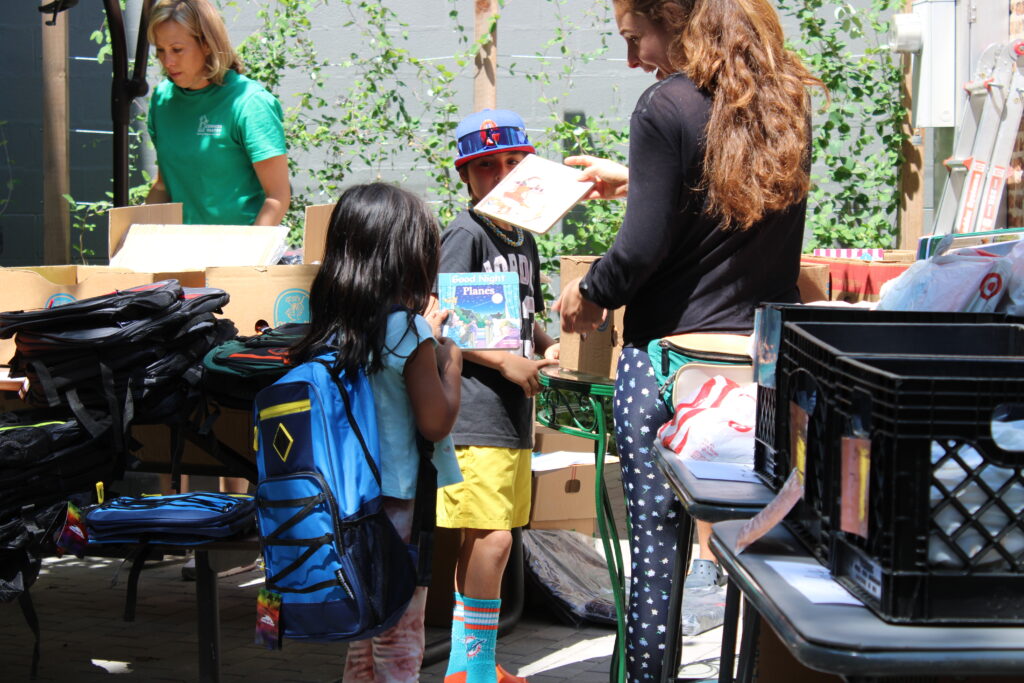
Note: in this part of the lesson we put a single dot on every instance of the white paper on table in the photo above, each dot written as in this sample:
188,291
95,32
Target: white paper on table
813,582
559,459
721,471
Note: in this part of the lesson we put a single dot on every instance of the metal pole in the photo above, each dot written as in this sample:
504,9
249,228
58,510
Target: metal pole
123,90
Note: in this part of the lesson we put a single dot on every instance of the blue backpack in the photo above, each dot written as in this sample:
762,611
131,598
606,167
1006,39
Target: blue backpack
341,569
179,519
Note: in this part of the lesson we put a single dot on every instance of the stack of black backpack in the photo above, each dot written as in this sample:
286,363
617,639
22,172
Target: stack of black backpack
135,354
95,367
46,459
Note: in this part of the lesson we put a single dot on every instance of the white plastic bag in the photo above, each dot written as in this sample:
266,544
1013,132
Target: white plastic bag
963,280
716,422
1013,302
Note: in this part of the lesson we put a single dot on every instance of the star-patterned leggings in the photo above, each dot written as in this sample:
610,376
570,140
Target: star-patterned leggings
653,513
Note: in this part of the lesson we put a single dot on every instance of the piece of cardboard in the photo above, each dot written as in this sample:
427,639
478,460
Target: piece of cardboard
813,282
548,440
264,296
318,217
121,218
155,247
233,427
598,354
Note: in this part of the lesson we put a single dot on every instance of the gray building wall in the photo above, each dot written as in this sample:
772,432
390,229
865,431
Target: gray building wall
526,26
602,85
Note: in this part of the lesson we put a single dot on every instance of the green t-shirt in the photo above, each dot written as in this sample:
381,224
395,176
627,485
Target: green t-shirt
206,143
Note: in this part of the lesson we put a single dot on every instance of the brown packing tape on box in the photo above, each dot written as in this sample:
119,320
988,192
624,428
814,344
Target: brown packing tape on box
599,352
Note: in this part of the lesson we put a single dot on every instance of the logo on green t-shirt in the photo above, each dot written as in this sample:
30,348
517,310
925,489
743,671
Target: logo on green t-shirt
207,128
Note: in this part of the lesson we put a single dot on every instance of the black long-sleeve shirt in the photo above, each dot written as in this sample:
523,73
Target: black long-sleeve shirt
671,265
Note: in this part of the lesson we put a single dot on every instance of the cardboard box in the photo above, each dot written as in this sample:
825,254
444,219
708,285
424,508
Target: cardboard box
314,240
599,352
548,440
261,295
564,498
233,427
853,280
264,295
813,282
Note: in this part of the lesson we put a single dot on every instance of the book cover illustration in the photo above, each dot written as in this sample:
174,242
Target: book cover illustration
535,195
484,309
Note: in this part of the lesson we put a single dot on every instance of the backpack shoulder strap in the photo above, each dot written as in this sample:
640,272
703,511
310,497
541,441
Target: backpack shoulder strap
347,400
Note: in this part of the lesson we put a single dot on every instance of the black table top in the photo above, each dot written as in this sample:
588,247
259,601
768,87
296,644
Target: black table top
851,640
712,500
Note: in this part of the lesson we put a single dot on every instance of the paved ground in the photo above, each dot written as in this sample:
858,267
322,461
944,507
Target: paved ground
85,639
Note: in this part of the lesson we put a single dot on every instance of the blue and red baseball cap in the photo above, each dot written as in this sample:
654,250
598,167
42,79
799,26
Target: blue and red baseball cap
490,131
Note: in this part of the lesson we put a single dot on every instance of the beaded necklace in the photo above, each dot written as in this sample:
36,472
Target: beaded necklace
501,234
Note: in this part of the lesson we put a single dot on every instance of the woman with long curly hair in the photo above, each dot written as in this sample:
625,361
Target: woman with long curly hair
716,196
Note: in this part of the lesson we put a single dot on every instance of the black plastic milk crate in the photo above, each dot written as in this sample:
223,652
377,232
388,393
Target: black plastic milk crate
813,347
806,375
775,316
944,531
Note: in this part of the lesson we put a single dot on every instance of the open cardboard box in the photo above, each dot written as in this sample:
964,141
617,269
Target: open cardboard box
564,498
260,295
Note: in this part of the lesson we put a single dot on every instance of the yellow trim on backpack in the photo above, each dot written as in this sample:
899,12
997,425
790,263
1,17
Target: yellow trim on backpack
282,409
39,424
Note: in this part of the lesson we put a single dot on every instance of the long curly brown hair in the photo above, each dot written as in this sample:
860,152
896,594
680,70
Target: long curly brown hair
756,158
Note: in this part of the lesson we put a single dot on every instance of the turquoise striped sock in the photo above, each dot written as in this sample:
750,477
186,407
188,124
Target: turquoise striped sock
457,658
481,619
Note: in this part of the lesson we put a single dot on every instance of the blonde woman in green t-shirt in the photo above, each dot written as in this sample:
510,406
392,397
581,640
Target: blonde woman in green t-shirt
219,136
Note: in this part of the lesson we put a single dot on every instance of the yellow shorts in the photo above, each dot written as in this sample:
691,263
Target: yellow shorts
494,493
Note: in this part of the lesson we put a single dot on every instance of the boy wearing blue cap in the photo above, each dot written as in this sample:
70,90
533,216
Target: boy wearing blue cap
494,431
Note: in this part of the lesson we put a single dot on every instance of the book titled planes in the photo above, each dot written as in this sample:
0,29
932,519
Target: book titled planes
484,309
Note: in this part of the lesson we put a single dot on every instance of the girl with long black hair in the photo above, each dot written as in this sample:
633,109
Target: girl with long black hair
380,263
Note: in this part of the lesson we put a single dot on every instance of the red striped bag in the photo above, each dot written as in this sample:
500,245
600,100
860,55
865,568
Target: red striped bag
715,423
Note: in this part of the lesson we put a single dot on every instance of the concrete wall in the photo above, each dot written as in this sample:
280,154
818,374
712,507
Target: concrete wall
526,27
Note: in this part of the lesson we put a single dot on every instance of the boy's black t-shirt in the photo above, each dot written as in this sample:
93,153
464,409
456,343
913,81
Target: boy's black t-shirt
494,411
671,264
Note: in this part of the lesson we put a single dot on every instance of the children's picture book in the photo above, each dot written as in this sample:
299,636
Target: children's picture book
535,195
484,309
